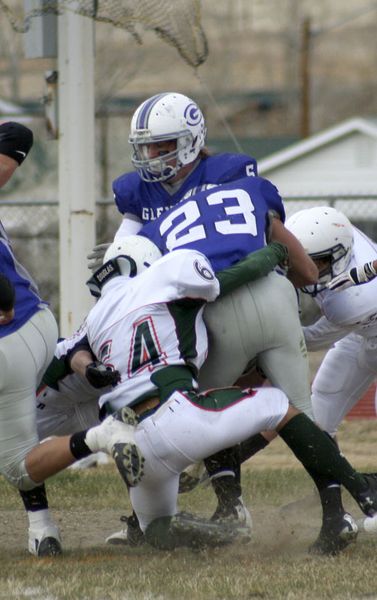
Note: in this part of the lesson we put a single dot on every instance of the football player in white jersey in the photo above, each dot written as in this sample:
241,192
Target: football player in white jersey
348,321
147,324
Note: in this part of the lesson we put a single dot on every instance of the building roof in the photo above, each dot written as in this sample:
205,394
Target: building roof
341,160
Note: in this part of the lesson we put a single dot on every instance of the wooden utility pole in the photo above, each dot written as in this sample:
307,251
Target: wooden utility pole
305,79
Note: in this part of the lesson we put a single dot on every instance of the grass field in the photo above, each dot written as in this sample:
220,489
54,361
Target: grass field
275,565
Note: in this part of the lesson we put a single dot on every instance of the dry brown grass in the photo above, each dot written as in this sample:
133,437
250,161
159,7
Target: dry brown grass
275,565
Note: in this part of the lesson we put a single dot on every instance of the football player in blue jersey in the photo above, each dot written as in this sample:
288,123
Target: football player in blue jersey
168,134
28,334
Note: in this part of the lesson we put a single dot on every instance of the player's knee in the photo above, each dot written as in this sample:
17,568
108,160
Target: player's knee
290,413
18,476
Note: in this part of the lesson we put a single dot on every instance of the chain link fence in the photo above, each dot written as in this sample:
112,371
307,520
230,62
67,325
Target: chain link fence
34,232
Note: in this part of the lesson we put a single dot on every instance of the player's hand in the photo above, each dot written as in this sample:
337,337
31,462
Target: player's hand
95,258
100,376
6,316
354,276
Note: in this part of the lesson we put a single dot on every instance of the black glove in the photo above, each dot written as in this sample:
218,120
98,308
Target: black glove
100,376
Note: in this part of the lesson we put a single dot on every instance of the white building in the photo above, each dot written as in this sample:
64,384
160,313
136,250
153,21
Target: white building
337,166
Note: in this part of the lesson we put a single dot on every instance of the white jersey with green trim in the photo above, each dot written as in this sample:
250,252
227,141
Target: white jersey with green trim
151,321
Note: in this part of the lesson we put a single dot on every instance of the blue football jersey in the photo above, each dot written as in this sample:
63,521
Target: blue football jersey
148,201
27,300
225,223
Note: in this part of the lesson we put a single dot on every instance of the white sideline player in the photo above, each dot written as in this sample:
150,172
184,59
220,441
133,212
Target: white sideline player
349,315
346,258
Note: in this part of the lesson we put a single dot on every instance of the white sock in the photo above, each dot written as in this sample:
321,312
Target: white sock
97,438
39,518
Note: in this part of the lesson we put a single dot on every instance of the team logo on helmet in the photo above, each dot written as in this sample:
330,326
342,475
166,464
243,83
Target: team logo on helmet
192,114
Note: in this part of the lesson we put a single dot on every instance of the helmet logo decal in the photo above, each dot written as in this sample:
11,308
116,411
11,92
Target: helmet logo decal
192,114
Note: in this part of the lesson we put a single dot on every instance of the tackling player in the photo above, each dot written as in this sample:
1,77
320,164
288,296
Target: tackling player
148,323
256,322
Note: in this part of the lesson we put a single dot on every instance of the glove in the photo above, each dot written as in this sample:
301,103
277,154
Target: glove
95,258
100,376
355,276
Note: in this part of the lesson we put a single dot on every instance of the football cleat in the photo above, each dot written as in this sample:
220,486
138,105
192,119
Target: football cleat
335,535
130,535
118,427
235,513
197,532
128,458
368,525
368,500
195,474
116,436
45,541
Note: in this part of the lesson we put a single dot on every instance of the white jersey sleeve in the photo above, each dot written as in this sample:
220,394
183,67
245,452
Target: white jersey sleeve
65,345
177,275
322,334
196,278
130,225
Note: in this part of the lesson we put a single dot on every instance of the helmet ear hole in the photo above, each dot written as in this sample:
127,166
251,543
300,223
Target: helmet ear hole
127,265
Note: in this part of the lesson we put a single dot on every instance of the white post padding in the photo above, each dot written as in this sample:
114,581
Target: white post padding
76,165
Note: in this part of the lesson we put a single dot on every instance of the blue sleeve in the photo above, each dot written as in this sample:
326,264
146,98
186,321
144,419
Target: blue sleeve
126,193
273,198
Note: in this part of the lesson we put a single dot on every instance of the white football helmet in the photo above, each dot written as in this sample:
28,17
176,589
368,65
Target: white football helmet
324,233
166,117
135,253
